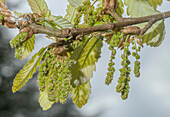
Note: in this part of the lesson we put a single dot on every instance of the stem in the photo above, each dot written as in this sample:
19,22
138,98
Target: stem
64,33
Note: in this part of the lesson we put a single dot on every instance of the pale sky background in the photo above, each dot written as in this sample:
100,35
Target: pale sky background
149,95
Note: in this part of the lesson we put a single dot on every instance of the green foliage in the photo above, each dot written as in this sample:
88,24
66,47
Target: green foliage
158,33
68,64
54,78
17,40
120,10
39,6
28,47
81,94
86,55
137,8
27,71
72,9
22,50
154,3
43,100
57,22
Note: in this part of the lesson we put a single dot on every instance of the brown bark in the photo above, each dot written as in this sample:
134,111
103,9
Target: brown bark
79,31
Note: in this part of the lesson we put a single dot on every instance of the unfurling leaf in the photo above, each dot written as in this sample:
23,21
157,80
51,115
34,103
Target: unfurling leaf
27,71
39,6
138,8
43,100
80,94
86,55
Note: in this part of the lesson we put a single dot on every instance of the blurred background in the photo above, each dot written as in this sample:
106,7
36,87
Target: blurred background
149,95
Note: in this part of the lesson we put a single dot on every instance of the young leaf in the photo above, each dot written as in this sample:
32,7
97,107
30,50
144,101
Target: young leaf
43,100
27,72
155,35
80,94
138,8
71,9
76,3
86,55
28,47
154,3
39,6
120,10
58,22
22,50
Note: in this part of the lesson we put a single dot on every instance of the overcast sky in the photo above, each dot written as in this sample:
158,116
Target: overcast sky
149,95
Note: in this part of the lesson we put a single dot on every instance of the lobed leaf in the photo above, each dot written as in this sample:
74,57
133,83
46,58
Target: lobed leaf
39,6
138,8
27,71
80,94
86,55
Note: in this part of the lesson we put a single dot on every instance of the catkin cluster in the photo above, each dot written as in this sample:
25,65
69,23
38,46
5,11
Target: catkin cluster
91,15
112,45
54,76
17,44
135,54
123,81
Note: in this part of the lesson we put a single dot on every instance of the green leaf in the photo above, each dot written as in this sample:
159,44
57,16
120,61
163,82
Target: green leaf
43,100
59,22
86,55
120,10
27,71
154,3
28,47
76,3
138,8
72,9
39,6
155,35
16,42
80,94
22,50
